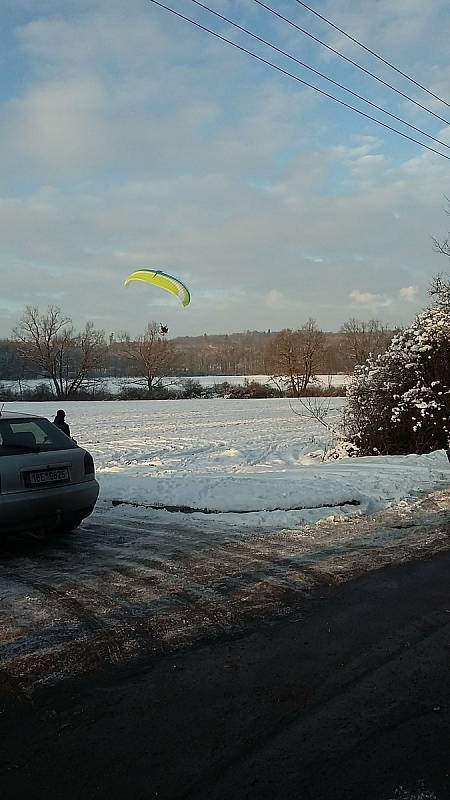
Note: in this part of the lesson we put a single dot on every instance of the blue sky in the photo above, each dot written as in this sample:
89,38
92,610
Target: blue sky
130,139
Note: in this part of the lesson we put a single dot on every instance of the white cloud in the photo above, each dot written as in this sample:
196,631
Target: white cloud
274,298
369,299
59,125
314,259
409,293
133,140
399,29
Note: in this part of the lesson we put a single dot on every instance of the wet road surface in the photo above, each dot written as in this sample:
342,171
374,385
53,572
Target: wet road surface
127,585
348,699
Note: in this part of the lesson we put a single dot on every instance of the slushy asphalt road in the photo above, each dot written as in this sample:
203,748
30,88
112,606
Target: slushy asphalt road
124,587
179,661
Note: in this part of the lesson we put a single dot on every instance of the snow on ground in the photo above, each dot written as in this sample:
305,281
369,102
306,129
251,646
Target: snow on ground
248,462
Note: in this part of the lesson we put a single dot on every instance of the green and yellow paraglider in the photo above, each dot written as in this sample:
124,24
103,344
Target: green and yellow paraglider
164,281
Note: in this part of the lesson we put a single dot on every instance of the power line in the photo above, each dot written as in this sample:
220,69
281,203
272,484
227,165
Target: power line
350,61
372,53
295,77
316,72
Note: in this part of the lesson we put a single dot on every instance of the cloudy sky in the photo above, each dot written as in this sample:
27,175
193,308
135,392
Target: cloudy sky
130,139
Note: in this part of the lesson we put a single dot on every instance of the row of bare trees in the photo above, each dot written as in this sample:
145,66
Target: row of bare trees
46,344
153,355
50,344
295,357
255,352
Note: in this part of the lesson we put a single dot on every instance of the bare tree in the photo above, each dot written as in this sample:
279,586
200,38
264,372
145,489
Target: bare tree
320,410
440,289
311,350
152,353
443,247
88,354
294,356
328,365
362,339
50,344
282,359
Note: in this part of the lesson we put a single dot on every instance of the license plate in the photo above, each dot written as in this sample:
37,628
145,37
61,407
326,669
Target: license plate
46,476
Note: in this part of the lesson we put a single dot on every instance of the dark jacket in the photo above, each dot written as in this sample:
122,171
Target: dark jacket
63,426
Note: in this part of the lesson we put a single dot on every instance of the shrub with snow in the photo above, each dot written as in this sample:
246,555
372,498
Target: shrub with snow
400,401
343,449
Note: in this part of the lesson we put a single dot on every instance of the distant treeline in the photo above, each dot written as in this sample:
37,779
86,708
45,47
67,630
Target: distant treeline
248,353
188,390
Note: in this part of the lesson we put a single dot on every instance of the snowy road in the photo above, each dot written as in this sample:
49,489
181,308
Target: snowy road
129,584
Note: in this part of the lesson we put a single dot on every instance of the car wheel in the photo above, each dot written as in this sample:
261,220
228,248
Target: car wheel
67,524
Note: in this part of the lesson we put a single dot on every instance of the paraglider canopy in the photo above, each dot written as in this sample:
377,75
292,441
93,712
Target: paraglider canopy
164,281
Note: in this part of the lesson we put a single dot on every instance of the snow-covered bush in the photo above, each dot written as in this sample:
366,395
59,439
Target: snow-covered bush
342,449
399,402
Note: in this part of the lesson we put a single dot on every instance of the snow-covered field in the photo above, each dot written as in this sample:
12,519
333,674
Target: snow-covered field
134,580
248,462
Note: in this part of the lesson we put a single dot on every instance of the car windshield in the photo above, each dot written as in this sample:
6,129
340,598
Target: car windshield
34,435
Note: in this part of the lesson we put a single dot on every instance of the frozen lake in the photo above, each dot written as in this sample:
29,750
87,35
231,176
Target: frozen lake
114,385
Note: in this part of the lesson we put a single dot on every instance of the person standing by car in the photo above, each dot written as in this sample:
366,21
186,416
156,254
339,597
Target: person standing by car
60,422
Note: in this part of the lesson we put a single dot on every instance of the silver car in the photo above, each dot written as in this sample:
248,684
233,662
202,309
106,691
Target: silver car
47,482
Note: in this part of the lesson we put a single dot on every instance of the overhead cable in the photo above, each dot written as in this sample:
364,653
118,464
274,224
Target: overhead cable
350,61
317,72
296,77
372,52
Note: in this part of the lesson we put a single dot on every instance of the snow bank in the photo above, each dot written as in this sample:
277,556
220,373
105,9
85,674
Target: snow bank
248,462
367,484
